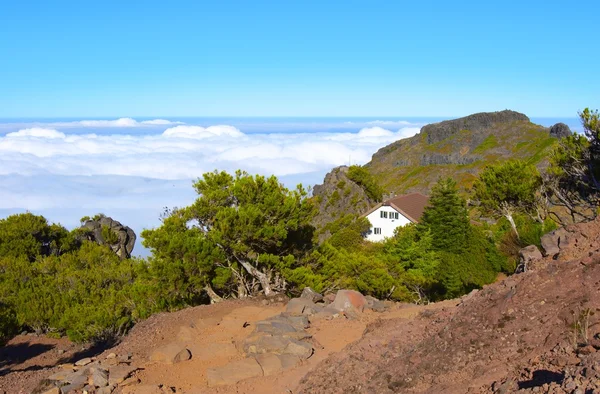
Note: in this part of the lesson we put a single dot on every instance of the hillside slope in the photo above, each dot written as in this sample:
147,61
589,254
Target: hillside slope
460,149
534,332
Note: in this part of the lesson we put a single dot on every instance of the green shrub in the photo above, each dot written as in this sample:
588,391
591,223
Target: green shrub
362,177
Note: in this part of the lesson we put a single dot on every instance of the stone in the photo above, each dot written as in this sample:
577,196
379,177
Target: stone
270,363
552,242
527,255
171,354
53,390
311,295
119,373
129,381
328,298
349,300
98,377
280,328
83,362
105,390
297,348
111,355
77,383
60,375
257,344
296,306
560,130
125,237
233,372
288,360
328,313
374,304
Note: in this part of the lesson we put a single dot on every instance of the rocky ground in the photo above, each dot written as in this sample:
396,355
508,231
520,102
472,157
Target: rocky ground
538,331
253,346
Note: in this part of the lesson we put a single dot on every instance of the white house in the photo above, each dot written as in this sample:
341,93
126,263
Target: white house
395,212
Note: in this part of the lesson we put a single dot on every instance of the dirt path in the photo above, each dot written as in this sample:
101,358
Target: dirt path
209,332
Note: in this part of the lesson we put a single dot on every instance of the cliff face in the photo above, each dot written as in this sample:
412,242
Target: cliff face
460,149
339,196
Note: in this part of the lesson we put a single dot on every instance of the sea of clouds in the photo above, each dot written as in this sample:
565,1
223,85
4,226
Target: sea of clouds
131,169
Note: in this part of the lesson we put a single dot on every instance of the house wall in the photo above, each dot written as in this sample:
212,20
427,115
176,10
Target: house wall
387,226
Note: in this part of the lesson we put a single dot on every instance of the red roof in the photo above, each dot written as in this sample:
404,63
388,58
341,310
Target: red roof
410,205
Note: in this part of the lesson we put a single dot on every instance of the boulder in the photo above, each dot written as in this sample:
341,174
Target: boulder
560,130
527,255
98,377
349,300
83,362
327,313
119,373
296,306
121,240
171,354
261,344
374,304
300,349
280,328
233,372
105,390
270,363
553,241
310,294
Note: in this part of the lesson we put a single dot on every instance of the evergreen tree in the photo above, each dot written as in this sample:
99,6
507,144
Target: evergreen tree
446,218
508,188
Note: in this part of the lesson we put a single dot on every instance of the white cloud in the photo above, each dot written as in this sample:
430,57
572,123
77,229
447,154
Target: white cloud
374,132
160,122
395,123
114,123
202,132
36,132
132,175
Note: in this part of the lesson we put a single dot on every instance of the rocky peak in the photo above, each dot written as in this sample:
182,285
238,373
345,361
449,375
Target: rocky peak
339,196
477,122
107,231
560,130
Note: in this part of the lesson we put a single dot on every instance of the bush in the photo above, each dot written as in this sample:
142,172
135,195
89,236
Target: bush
362,177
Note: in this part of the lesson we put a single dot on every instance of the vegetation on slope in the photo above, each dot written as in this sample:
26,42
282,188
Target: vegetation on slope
460,149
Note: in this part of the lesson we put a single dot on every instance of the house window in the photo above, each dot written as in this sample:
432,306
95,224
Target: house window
384,214
395,215
377,230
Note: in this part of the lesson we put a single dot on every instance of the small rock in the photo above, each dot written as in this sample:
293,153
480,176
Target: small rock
311,295
83,362
233,372
119,373
53,390
346,300
296,306
270,363
98,377
105,390
110,356
171,354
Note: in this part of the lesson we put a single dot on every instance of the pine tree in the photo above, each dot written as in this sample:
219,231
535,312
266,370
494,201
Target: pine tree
446,218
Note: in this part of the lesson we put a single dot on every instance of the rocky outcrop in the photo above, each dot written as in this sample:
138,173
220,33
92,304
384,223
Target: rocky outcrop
461,149
477,122
107,231
91,375
338,196
560,130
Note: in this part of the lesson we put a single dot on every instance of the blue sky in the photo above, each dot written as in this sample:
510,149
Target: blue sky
296,58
